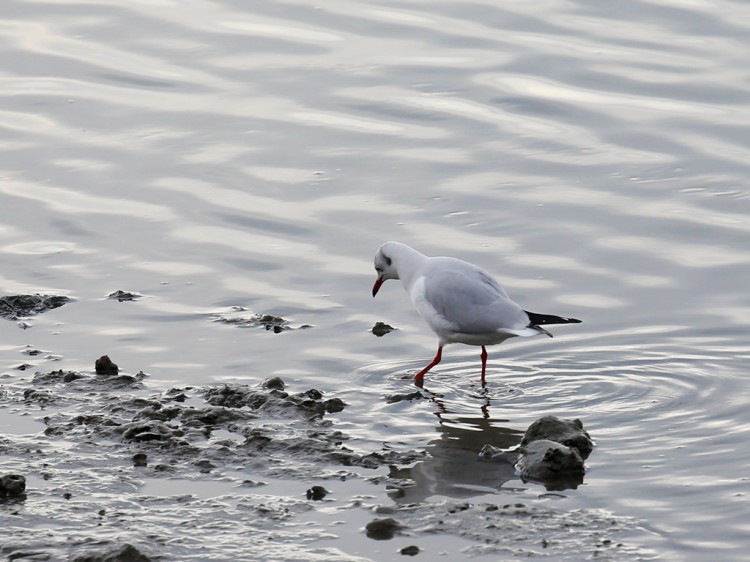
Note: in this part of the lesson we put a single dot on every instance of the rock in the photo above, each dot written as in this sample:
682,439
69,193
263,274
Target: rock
316,493
550,463
312,394
12,485
552,452
125,553
204,465
548,454
334,405
381,328
140,460
275,383
383,529
124,296
13,307
410,550
104,366
567,432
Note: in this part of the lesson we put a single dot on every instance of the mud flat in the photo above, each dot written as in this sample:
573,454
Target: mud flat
115,471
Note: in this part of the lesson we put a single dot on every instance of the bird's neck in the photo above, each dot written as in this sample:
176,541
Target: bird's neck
408,261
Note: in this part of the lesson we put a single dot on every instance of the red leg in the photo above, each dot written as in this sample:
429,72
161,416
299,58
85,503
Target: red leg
484,363
420,375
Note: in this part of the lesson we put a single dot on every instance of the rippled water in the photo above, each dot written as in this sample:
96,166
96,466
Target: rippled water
594,156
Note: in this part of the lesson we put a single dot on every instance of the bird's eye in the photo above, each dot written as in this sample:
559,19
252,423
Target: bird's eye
387,260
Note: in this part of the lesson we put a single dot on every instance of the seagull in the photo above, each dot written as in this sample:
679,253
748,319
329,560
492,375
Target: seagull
461,302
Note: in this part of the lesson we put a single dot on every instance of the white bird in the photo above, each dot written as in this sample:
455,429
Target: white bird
461,302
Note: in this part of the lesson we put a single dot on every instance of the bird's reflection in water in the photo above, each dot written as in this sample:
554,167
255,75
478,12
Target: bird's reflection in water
454,468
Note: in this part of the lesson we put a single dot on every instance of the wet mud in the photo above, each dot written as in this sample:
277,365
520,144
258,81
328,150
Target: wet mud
381,328
110,469
242,318
15,307
124,296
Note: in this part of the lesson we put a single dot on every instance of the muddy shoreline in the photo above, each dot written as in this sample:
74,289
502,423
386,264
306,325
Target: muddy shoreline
259,467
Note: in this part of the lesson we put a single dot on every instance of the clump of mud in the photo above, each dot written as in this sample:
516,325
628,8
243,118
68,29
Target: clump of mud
124,296
81,380
383,529
381,328
12,486
105,366
14,307
271,397
161,426
239,316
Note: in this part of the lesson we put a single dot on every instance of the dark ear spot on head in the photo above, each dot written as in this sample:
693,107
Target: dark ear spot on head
387,260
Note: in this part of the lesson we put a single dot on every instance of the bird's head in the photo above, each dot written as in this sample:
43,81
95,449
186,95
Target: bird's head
384,266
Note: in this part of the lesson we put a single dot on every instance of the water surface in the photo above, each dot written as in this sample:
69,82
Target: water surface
594,157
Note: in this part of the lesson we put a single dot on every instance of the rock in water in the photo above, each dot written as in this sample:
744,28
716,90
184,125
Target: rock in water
381,328
382,529
550,463
12,485
123,296
14,307
552,452
316,493
104,366
567,432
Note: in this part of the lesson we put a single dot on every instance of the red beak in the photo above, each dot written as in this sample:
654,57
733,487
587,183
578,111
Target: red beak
376,286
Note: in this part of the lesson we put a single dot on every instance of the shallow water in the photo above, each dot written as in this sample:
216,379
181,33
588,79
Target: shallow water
211,155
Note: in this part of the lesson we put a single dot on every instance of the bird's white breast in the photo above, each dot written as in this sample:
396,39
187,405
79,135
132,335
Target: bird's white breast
443,327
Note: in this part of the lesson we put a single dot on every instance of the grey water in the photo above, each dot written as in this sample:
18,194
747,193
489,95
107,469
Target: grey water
593,156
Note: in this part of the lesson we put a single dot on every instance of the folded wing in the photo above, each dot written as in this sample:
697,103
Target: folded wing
471,300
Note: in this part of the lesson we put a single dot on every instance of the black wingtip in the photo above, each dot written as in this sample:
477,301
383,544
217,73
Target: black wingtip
540,319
